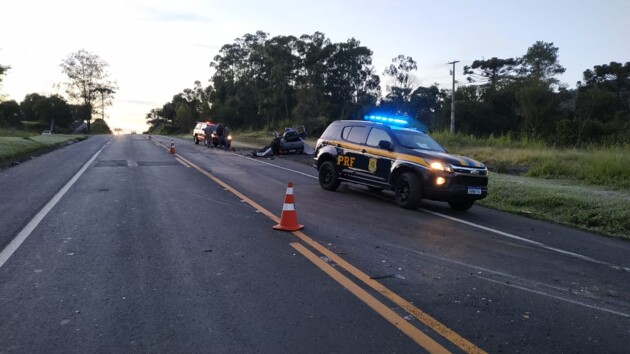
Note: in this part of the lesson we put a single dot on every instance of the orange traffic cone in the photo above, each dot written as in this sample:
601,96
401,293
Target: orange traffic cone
172,149
288,219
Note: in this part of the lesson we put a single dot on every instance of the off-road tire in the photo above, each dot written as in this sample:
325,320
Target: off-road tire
328,177
408,190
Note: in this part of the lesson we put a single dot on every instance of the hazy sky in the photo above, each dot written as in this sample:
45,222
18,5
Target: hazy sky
156,49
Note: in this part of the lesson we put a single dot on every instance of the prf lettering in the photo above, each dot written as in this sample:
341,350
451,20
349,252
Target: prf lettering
345,160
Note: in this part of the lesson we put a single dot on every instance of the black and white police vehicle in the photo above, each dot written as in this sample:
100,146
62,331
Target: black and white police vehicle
383,153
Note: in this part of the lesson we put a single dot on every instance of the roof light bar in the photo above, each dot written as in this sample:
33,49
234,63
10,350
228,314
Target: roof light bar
388,120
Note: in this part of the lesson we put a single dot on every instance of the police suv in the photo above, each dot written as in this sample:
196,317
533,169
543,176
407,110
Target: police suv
383,153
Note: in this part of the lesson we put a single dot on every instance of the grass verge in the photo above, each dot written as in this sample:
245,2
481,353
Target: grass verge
589,208
594,165
12,147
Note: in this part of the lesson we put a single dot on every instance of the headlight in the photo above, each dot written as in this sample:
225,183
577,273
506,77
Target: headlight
229,137
214,135
439,166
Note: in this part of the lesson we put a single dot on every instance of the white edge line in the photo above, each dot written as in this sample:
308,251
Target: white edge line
559,298
519,279
522,239
536,243
498,232
8,251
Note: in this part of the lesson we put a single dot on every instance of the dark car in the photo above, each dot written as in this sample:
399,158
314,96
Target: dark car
381,153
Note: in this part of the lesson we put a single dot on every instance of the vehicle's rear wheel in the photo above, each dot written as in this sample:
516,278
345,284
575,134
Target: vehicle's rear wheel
328,178
461,206
196,140
408,190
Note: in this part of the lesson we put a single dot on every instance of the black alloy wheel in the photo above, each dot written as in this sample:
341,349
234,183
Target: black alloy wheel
328,178
408,190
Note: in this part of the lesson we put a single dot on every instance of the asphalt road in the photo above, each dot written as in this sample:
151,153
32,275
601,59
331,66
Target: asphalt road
145,251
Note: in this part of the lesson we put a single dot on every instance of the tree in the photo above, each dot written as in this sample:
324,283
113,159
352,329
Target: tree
265,82
88,80
10,114
590,102
184,117
425,102
541,62
535,105
402,82
350,75
613,76
492,72
3,71
50,111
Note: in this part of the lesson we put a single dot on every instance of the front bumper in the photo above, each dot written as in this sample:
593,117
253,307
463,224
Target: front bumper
456,188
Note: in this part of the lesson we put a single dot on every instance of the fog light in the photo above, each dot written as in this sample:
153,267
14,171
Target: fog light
440,181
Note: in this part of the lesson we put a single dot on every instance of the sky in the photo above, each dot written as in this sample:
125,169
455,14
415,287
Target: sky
155,49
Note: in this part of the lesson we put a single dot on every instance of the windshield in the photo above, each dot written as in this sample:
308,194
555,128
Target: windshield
416,140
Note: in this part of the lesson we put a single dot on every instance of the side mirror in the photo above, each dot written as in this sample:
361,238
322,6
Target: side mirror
385,145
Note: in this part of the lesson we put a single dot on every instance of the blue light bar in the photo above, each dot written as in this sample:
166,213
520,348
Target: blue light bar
387,120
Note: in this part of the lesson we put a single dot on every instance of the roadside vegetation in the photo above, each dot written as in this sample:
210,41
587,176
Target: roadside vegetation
15,144
592,165
587,188
589,208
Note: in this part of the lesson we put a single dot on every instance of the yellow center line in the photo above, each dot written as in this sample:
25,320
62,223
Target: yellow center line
182,162
233,191
392,317
422,316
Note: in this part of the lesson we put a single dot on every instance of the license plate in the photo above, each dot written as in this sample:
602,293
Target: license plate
473,190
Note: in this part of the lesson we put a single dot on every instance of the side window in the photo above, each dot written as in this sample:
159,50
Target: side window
345,133
377,135
357,135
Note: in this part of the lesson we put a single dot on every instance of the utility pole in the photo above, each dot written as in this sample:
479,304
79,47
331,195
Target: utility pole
453,97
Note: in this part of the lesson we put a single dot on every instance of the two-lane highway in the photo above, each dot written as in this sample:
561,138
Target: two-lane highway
149,251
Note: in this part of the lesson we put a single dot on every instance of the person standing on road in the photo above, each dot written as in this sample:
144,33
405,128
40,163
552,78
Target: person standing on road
226,134
220,135
208,132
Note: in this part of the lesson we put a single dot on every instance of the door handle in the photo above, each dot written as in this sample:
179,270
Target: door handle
363,151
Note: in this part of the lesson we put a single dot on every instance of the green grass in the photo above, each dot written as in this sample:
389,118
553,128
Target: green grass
16,146
588,208
598,166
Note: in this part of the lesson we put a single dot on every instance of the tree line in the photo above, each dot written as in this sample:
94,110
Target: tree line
263,82
88,86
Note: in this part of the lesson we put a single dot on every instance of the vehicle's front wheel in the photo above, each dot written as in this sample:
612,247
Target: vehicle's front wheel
328,178
461,206
408,190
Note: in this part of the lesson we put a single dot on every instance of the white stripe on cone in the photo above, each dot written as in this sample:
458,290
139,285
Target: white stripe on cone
290,190
288,207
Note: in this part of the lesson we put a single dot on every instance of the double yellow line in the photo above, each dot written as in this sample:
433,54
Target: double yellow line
399,322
